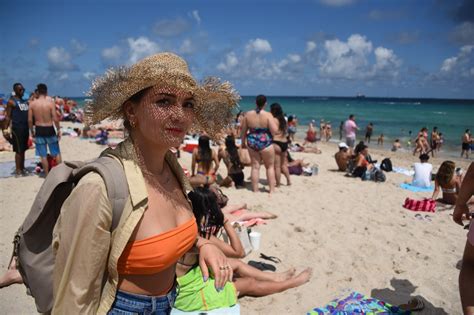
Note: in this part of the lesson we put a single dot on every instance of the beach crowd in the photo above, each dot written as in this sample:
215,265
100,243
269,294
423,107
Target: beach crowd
167,250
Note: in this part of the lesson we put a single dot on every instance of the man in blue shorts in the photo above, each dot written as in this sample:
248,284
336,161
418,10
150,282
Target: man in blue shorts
43,112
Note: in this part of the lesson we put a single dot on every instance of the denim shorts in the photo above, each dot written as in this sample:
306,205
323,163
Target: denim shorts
129,303
42,144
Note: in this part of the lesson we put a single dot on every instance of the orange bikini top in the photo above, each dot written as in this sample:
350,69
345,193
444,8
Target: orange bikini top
156,253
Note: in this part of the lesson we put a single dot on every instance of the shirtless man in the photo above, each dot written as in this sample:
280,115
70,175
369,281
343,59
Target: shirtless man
343,156
466,143
43,112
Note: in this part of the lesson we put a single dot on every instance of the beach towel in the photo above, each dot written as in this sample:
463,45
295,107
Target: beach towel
410,187
425,205
7,169
356,303
404,171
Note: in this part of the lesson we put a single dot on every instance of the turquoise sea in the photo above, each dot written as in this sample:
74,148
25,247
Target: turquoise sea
394,117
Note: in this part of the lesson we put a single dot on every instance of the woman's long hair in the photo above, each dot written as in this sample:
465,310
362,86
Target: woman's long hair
209,216
277,112
204,150
445,172
232,150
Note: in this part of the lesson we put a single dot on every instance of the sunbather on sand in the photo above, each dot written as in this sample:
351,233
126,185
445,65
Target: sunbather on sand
248,281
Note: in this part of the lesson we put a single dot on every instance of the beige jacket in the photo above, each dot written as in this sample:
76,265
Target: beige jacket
85,272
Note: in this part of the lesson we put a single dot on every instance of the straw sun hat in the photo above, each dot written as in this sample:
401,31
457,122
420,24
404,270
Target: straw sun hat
215,100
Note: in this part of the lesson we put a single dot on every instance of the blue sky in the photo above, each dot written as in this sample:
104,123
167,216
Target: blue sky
316,47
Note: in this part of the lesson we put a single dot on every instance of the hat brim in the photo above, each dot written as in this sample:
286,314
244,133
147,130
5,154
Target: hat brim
215,100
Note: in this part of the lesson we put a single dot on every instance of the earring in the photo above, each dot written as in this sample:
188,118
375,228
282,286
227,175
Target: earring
133,123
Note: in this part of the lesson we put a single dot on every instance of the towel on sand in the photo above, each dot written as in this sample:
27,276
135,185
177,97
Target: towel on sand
410,187
356,303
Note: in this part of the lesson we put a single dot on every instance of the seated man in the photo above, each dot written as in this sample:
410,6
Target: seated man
343,156
422,177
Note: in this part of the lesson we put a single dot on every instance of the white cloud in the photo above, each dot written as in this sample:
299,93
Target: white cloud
171,28
63,77
88,75
230,63
460,65
310,46
60,60
294,58
195,15
78,48
258,46
140,48
187,47
448,64
111,55
336,3
346,59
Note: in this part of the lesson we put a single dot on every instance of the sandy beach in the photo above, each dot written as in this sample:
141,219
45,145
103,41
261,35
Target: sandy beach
355,235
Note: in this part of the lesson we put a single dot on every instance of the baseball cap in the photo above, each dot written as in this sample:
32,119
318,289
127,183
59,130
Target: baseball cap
343,145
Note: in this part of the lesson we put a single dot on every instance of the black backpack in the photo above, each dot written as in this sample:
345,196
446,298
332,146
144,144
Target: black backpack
386,165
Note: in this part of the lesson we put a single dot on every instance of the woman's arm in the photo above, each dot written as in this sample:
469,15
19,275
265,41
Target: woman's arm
235,249
216,161
436,190
193,162
243,133
465,193
81,243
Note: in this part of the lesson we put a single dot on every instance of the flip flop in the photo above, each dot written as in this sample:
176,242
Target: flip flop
418,216
261,265
428,218
271,258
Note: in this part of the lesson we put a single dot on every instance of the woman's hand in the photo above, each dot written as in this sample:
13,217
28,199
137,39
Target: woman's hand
211,257
459,211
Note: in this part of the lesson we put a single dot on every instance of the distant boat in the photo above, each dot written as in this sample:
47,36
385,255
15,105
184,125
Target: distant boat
359,95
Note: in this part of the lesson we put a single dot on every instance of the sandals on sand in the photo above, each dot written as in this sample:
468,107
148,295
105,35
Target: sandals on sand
261,265
415,304
271,258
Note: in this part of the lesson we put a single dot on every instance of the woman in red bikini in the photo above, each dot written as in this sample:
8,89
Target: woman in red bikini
132,270
203,158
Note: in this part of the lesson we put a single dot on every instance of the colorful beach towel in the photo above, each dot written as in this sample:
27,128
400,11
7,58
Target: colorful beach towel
410,187
357,303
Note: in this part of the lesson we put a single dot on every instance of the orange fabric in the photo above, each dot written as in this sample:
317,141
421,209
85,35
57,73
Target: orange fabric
156,253
364,163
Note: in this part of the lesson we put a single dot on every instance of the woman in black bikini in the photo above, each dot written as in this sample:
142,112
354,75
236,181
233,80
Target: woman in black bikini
230,155
280,143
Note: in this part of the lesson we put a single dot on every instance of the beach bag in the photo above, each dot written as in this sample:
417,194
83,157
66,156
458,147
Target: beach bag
379,176
386,165
33,240
425,205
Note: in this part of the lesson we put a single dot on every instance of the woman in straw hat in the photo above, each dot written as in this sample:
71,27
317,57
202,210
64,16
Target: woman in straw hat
132,270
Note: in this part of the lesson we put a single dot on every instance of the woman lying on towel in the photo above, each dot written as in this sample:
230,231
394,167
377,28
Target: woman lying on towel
196,293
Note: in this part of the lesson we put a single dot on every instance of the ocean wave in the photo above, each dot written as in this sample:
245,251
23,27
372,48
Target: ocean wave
439,113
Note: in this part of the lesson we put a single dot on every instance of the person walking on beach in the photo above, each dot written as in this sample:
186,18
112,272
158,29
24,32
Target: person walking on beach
461,212
16,126
341,130
368,132
292,123
434,140
42,118
258,127
466,143
350,128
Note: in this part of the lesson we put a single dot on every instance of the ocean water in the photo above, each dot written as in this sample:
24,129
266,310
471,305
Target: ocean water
394,117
